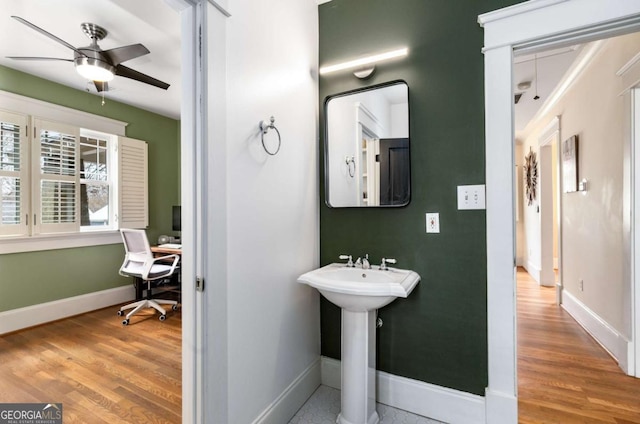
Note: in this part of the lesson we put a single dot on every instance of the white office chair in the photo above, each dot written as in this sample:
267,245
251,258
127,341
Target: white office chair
139,262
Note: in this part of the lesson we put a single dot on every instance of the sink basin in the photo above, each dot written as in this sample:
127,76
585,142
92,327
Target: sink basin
361,290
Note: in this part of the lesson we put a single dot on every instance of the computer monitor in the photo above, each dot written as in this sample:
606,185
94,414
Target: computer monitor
177,218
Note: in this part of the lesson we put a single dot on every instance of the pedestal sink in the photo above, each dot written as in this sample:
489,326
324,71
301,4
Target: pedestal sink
359,292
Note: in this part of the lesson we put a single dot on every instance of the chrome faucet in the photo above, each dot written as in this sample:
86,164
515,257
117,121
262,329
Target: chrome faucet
350,262
364,263
385,261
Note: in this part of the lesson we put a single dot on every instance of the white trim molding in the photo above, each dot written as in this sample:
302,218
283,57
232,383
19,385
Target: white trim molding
63,114
293,397
427,400
29,316
524,27
607,336
58,241
533,270
549,132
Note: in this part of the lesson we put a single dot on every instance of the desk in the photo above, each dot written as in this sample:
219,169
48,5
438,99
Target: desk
166,250
157,251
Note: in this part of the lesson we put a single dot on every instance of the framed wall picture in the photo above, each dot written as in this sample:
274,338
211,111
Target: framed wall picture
570,164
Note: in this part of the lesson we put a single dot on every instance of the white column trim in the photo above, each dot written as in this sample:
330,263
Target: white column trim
500,218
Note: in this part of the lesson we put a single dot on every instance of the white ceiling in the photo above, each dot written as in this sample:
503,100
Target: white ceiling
157,26
150,22
551,68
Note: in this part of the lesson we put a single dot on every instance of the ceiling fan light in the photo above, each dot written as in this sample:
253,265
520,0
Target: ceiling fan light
94,70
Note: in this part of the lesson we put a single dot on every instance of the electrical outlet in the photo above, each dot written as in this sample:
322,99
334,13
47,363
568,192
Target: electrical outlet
471,197
581,285
433,222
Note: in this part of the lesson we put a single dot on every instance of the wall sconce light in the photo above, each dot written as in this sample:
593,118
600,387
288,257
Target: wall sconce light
364,66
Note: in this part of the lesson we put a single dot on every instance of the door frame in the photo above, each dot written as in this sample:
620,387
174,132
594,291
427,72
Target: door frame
549,137
523,27
191,77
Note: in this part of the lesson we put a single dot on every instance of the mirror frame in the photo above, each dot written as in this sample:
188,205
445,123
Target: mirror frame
326,141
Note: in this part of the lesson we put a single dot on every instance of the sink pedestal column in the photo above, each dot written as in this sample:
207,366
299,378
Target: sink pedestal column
358,385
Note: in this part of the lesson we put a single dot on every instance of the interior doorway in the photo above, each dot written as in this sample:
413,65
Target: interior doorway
519,28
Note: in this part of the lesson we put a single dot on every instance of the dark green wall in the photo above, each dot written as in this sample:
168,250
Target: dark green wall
37,277
438,334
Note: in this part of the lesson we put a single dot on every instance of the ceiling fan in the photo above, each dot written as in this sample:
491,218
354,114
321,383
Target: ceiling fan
95,64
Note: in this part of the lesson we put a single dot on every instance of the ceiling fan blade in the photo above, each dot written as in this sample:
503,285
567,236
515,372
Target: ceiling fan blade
37,58
122,54
101,86
48,34
123,71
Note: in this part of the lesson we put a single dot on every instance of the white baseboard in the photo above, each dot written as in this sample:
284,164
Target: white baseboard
18,319
502,408
533,271
293,397
519,261
607,336
428,400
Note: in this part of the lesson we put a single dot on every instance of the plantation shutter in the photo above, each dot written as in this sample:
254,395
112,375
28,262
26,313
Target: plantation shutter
14,175
133,183
57,177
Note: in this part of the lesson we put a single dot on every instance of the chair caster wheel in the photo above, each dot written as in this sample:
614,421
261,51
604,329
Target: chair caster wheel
162,317
174,307
120,313
125,322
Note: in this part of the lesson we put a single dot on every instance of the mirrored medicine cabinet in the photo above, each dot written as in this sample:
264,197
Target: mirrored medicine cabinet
367,155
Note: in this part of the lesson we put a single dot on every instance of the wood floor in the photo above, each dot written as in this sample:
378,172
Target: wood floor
564,376
104,373
101,371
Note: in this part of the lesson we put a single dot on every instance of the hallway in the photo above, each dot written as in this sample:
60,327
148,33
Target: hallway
564,376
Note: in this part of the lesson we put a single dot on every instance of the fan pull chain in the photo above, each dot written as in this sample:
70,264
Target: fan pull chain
102,98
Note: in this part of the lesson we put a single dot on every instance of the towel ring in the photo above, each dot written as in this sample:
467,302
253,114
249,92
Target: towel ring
351,160
264,128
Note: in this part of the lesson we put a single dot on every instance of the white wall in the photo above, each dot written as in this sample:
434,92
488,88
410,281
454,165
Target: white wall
592,231
342,143
399,120
521,240
270,203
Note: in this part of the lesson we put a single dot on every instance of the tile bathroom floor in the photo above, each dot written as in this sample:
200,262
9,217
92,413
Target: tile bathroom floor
323,407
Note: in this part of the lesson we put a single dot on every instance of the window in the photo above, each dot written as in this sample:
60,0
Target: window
55,186
79,180
13,173
95,181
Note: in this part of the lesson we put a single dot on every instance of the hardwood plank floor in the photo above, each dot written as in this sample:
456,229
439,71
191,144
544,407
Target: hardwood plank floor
101,371
564,376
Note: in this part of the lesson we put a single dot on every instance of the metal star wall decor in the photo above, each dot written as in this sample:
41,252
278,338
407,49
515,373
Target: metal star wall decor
530,176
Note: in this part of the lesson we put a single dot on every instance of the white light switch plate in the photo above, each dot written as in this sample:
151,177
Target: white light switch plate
471,197
433,223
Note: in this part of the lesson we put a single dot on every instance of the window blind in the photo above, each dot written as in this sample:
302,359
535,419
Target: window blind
133,183
56,148
13,173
